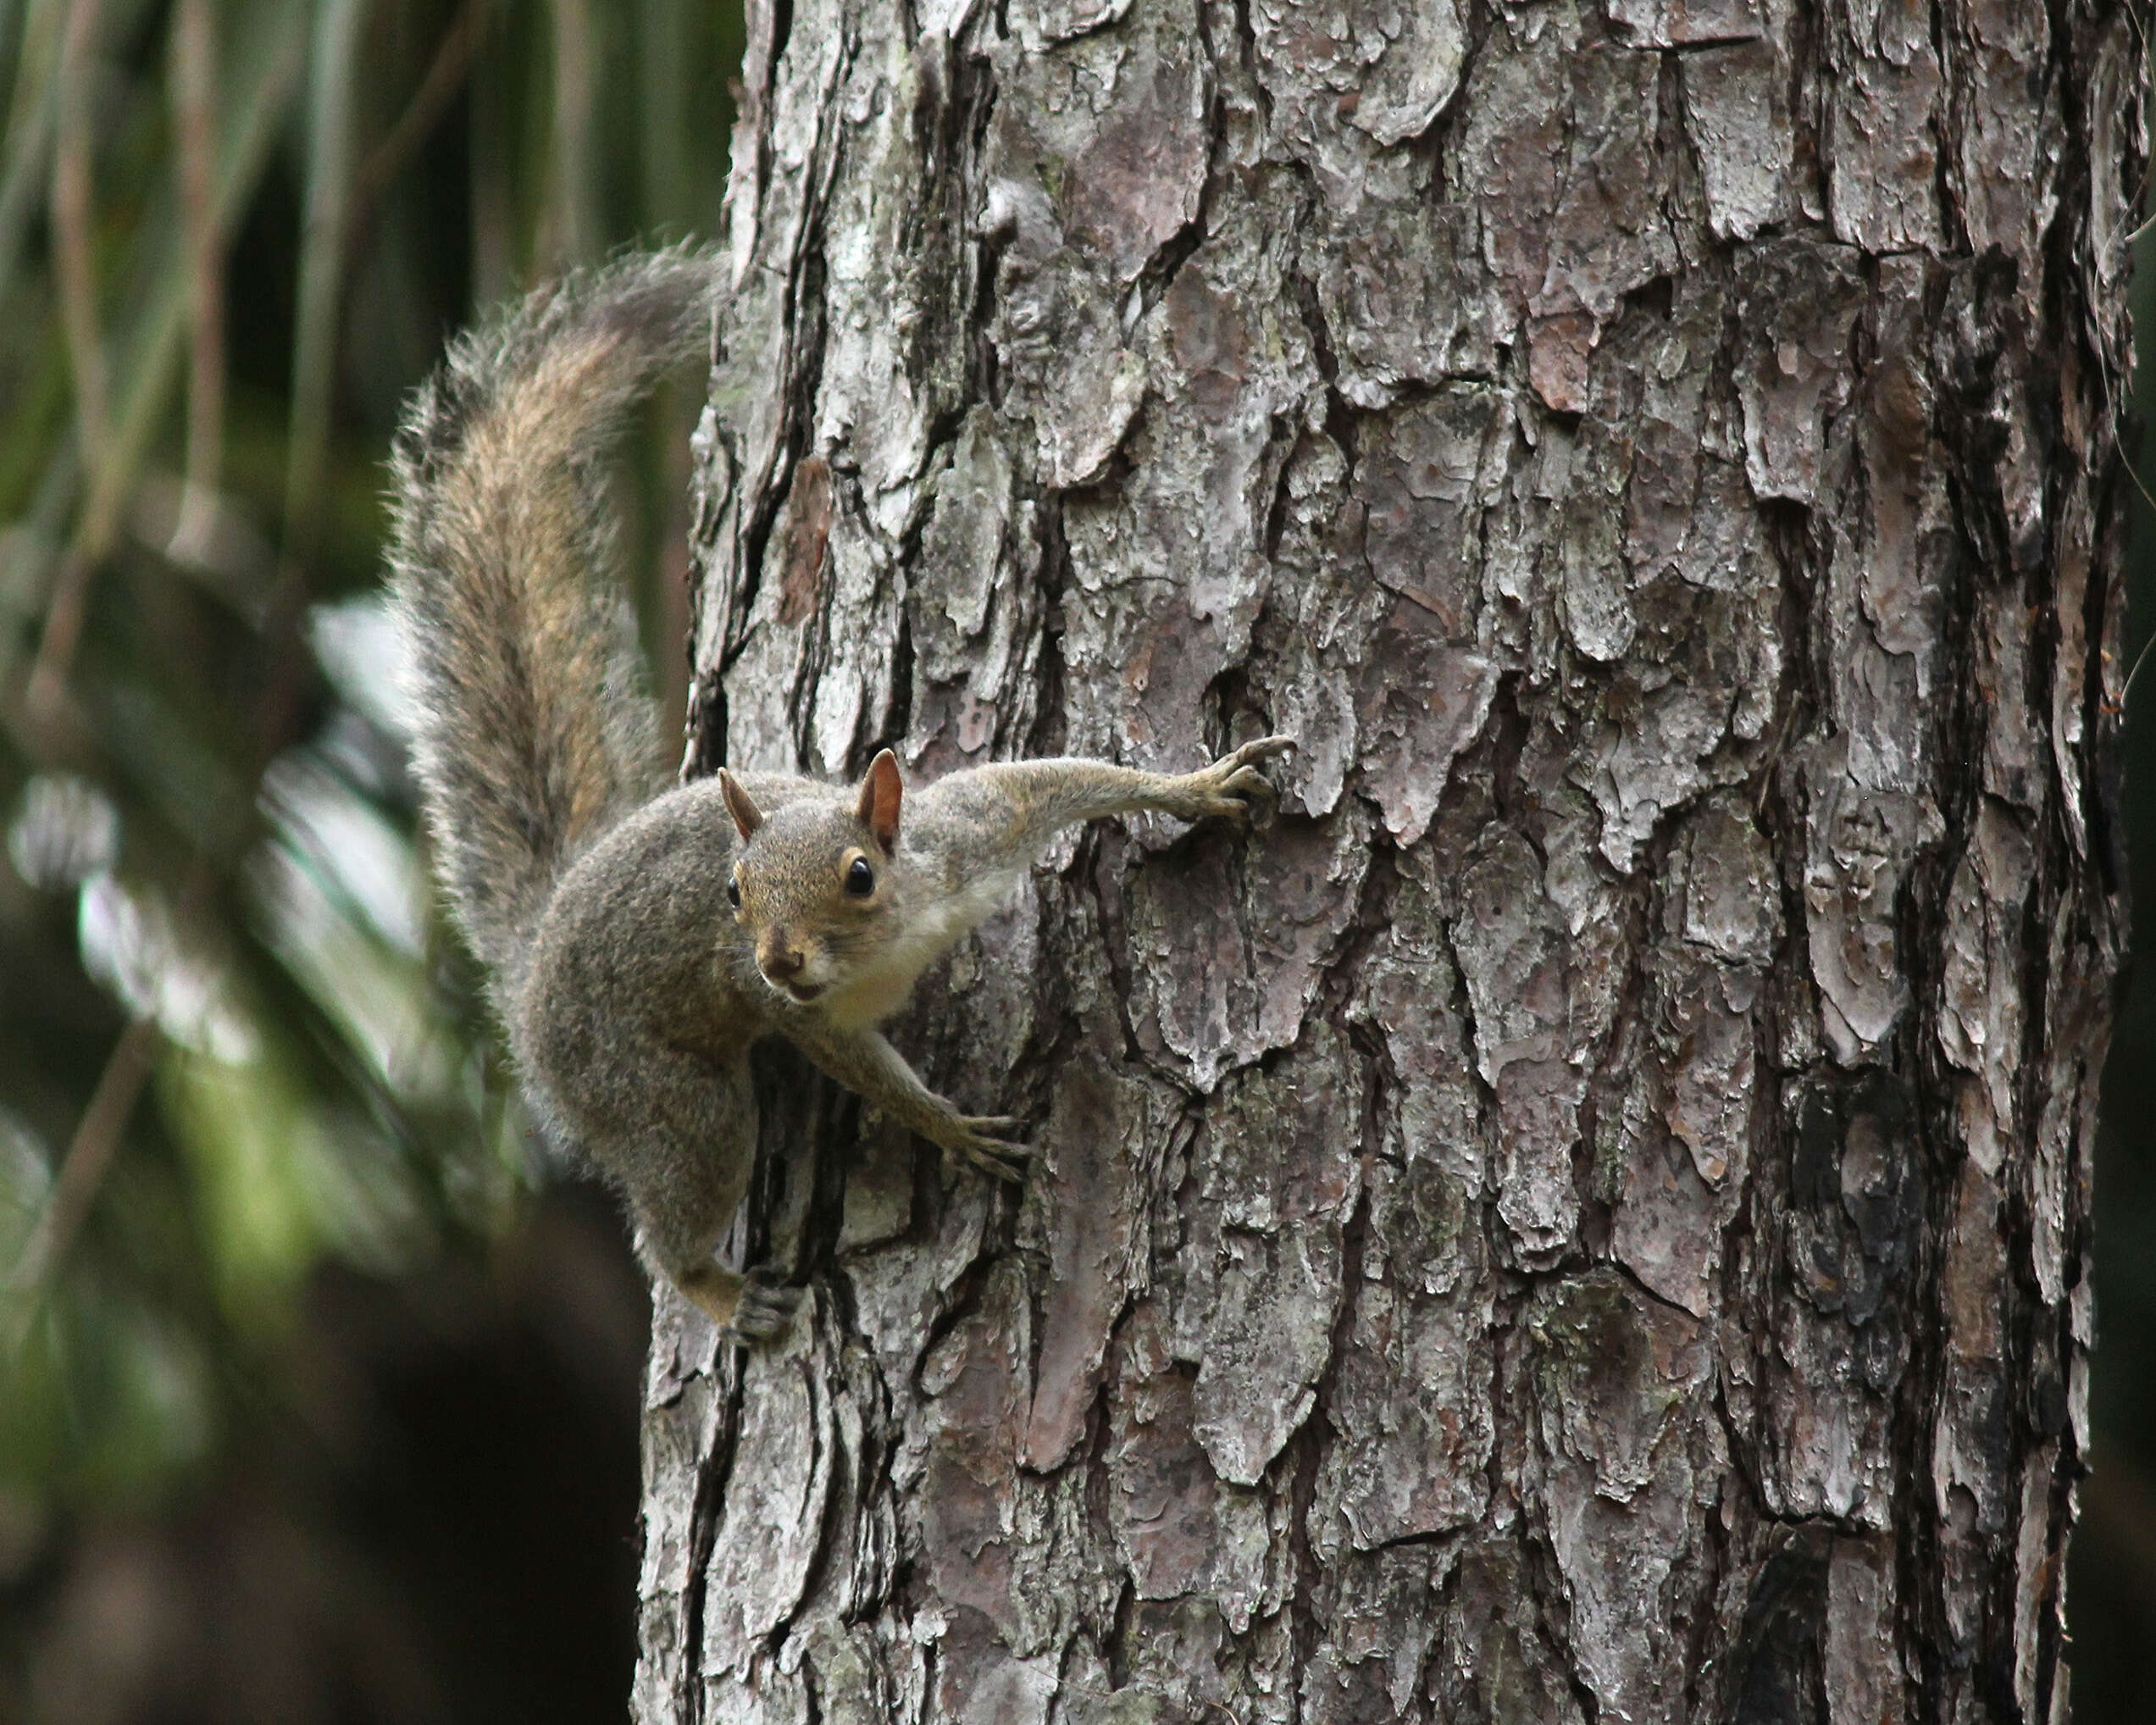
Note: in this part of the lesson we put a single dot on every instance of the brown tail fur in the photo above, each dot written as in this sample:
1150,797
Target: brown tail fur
535,734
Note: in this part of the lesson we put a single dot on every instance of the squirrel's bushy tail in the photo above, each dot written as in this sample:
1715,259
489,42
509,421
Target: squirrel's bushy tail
536,732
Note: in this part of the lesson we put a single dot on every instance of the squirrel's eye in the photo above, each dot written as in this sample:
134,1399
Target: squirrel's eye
860,878
733,894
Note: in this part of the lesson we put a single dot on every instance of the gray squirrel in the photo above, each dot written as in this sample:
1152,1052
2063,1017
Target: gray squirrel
640,939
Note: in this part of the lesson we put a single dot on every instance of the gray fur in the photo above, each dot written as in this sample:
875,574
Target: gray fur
631,988
500,785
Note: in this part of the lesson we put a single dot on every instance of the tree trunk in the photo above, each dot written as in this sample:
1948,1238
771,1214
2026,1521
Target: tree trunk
1587,1216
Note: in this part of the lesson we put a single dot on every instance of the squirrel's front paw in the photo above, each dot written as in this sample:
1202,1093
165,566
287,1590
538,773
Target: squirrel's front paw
1233,782
985,1141
764,1307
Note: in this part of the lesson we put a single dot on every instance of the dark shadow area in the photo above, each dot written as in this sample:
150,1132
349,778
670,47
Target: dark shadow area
2111,1573
438,1524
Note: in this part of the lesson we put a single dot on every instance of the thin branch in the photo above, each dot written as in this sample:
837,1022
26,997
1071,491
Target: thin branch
44,692
194,118
2140,659
28,139
82,1171
444,76
666,72
76,268
571,223
73,243
332,76
494,246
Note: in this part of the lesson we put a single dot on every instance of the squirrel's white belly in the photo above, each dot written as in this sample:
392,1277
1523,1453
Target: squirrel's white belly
875,993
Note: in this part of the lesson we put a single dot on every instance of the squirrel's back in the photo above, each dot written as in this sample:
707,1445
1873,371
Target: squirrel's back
536,732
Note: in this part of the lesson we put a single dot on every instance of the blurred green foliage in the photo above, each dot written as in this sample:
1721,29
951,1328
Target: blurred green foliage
235,1040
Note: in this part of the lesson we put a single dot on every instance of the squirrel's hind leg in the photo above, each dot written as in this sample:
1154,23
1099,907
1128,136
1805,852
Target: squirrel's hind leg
750,1307
684,1157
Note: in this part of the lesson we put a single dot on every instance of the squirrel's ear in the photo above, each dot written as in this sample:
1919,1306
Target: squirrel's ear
880,792
739,804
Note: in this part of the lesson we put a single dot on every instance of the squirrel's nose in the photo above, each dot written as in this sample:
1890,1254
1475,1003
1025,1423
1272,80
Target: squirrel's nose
780,963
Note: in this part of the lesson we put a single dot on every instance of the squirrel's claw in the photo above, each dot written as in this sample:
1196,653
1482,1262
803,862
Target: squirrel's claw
985,1147
1232,785
1246,785
765,1307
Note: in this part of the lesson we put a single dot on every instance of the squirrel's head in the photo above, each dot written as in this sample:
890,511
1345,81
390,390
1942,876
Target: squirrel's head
813,883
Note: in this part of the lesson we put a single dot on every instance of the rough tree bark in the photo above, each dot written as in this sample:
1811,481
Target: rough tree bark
1587,1217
